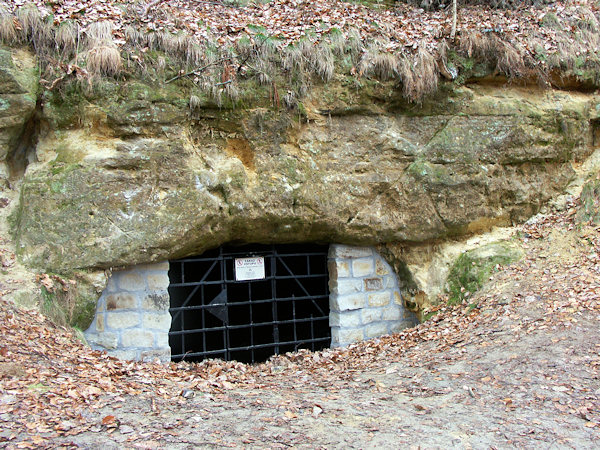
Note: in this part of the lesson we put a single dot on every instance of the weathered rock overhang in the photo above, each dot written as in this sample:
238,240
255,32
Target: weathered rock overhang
130,175
142,180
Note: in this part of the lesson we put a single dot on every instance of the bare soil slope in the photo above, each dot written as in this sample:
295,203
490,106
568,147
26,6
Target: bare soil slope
518,367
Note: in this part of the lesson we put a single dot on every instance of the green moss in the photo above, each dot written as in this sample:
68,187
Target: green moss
551,21
68,306
473,268
435,173
589,211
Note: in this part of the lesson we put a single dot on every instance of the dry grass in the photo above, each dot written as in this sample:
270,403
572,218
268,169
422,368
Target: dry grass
322,61
311,58
476,44
9,34
195,54
194,103
98,32
133,36
103,56
67,37
30,19
419,75
379,63
587,21
510,59
104,60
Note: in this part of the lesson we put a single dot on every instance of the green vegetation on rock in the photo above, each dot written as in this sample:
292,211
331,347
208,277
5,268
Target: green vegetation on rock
473,268
590,203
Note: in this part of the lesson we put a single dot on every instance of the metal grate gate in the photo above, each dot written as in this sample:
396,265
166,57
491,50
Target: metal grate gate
215,316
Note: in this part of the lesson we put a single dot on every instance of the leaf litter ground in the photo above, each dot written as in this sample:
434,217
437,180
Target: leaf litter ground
518,366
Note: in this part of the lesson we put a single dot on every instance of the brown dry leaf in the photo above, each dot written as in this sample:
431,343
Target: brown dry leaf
107,420
290,414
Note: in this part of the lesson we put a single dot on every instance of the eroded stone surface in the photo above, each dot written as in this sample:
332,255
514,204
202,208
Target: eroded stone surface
132,179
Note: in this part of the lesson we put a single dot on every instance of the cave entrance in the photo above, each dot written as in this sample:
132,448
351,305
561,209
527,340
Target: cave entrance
275,301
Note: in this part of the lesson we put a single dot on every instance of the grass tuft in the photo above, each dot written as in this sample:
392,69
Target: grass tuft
9,32
99,32
30,19
419,75
67,37
323,61
104,60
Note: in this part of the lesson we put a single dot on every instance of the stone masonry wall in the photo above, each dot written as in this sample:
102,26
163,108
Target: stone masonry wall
132,316
364,297
133,320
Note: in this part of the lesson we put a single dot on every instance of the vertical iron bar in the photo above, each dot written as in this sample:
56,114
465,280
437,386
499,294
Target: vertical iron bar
251,322
294,319
274,299
183,335
203,318
182,313
224,287
312,332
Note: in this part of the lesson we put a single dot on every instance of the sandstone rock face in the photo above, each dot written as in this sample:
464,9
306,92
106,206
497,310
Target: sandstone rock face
132,176
18,93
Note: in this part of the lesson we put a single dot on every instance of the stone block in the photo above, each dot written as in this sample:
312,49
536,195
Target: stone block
399,326
163,355
137,338
158,281
122,320
341,303
161,339
105,340
349,252
338,269
376,330
120,300
126,355
390,282
398,298
379,298
369,315
392,313
131,281
345,286
157,301
381,268
347,335
157,321
111,285
347,319
362,267
100,322
373,284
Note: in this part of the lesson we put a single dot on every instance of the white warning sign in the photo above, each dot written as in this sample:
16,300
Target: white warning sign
250,268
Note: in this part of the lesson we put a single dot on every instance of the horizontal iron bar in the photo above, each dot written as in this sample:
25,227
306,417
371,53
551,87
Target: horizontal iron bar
248,325
266,278
263,253
251,347
250,302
